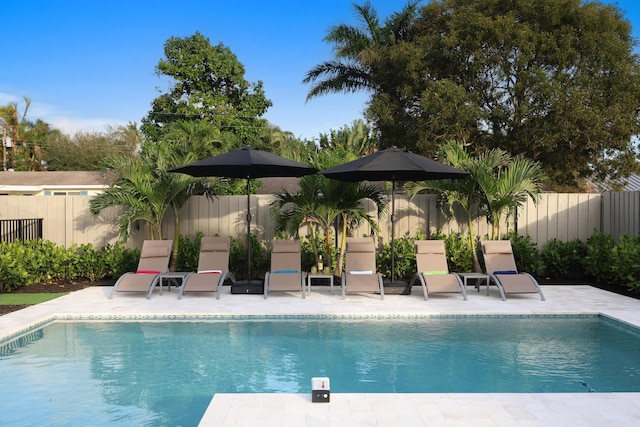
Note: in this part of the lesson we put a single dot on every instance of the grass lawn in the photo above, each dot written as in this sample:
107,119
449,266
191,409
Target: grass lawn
28,299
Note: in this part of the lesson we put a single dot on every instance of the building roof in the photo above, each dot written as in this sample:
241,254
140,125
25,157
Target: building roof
50,178
632,183
278,184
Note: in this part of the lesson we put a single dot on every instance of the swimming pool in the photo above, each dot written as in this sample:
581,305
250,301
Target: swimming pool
165,373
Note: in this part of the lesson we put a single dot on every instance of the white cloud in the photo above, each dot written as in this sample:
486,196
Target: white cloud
5,98
71,125
65,121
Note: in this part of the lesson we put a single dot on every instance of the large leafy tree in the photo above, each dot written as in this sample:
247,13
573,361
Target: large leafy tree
554,81
207,84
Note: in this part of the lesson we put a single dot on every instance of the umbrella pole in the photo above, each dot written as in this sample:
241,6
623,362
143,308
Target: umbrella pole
393,234
248,230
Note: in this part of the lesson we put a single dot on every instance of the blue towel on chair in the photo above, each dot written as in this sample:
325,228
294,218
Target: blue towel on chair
505,272
285,271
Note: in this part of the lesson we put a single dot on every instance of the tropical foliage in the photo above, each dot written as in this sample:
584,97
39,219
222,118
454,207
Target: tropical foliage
87,151
146,190
333,208
22,137
498,185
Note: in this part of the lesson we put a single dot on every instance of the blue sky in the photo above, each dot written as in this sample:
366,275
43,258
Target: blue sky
86,64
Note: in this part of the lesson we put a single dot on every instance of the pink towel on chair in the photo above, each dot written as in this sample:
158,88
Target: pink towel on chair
147,272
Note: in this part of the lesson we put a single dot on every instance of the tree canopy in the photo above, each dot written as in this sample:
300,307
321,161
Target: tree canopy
555,81
88,151
208,84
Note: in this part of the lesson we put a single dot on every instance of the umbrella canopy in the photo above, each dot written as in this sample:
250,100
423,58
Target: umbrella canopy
393,164
246,162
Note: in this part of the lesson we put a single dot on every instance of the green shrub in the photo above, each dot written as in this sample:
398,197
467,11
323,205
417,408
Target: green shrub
92,262
188,252
597,261
459,254
120,260
560,258
13,270
625,267
526,254
404,258
260,259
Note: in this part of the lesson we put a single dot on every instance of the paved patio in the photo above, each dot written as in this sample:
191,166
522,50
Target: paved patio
560,409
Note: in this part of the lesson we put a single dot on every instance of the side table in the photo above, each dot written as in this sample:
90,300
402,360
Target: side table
319,276
479,278
172,275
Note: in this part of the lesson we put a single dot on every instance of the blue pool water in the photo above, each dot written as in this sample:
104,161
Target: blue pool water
165,373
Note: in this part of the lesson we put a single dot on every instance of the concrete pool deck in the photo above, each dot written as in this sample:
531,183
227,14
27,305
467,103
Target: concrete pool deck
433,409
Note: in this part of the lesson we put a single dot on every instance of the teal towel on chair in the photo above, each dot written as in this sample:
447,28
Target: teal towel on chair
285,271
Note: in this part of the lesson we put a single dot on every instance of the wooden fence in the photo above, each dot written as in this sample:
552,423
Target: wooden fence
565,216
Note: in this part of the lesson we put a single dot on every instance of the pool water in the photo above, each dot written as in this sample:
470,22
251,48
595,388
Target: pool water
166,372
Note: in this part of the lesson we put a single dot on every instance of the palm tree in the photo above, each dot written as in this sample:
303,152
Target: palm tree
291,210
357,139
135,188
26,137
498,185
508,186
351,211
147,190
465,193
322,203
358,51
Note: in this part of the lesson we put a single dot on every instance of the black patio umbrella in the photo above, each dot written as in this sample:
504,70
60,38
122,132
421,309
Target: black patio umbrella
393,164
249,163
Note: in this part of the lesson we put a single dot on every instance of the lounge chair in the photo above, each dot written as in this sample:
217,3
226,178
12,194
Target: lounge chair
360,273
213,267
285,273
501,267
154,261
433,272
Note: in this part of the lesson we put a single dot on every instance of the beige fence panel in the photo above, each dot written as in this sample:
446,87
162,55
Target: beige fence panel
67,219
224,216
563,216
621,213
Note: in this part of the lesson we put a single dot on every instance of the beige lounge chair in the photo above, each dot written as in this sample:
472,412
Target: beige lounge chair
501,267
154,261
360,273
433,272
213,267
285,273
